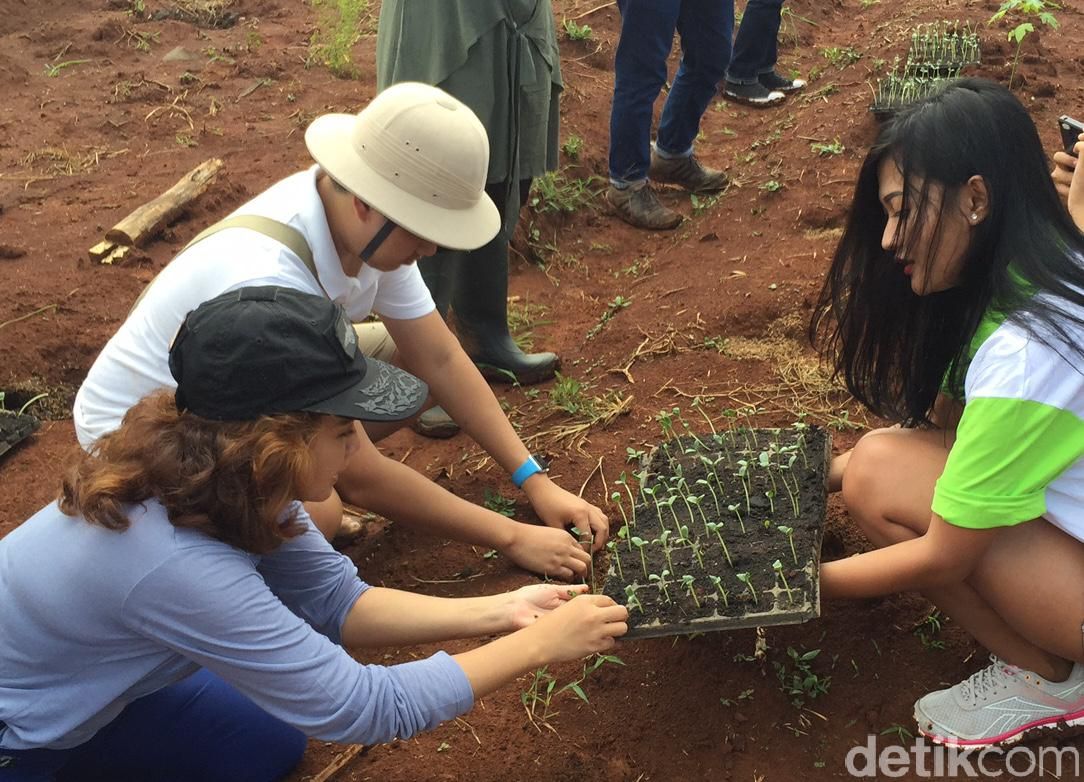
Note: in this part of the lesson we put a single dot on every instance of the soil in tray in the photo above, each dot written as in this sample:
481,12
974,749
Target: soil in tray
754,484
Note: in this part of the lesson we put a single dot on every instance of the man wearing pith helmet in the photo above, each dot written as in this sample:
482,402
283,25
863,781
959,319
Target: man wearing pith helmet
389,186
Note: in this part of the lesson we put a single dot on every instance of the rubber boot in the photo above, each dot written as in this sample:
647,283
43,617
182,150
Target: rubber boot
480,304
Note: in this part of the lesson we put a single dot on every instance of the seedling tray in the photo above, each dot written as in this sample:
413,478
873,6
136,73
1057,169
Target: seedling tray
734,479
14,428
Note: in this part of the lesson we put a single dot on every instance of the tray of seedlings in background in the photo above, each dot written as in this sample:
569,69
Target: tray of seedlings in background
943,48
721,530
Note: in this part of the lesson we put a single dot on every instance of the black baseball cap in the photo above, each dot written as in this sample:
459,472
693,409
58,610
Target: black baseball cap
267,349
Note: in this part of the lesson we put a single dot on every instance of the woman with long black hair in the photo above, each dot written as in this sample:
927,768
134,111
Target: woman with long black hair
954,307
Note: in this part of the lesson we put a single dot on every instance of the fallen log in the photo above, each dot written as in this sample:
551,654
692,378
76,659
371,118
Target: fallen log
146,221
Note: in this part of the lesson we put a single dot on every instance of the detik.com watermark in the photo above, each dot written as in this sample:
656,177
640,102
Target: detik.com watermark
934,761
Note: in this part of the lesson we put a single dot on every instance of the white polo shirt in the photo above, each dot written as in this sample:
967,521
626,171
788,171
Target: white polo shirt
135,361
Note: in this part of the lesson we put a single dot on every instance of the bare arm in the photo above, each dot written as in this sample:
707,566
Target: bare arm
431,352
946,554
391,489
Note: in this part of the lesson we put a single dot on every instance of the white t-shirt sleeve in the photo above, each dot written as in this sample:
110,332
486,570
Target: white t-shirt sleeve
402,294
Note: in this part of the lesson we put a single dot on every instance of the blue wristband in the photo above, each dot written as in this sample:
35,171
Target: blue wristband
526,470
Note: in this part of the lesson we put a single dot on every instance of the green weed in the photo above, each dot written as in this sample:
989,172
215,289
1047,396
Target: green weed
336,33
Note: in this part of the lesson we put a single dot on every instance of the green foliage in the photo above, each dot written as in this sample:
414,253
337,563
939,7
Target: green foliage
569,394
576,32
841,56
523,318
1022,15
336,33
53,69
537,699
771,186
555,192
798,680
498,503
826,149
619,303
573,146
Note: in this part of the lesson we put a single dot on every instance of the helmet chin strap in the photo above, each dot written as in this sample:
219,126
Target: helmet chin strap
370,249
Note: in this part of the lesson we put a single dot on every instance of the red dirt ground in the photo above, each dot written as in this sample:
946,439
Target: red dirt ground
80,149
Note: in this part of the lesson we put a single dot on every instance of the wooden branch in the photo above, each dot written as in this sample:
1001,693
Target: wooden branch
145,222
593,10
338,763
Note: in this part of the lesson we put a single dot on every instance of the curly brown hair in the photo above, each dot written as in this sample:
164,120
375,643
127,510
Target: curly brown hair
234,480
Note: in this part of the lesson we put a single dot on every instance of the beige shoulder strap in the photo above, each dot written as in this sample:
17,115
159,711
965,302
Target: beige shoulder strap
282,233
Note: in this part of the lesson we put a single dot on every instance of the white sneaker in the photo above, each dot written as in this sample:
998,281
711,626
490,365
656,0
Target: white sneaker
999,705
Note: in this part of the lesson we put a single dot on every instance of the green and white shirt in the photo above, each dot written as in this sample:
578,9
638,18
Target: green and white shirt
1019,450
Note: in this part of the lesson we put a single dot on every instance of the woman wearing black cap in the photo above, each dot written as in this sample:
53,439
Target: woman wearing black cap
189,623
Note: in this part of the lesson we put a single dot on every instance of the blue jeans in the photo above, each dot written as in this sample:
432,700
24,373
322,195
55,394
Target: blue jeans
756,46
200,728
647,35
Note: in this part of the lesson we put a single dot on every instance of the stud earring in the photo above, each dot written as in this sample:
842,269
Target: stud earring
974,216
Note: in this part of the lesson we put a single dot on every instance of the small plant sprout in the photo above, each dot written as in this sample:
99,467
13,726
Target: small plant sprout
669,503
777,566
743,473
683,534
664,541
736,510
651,492
661,582
715,527
625,535
687,582
616,498
717,582
714,496
623,481
631,600
688,429
695,500
640,543
770,494
790,538
697,548
744,578
698,404
612,546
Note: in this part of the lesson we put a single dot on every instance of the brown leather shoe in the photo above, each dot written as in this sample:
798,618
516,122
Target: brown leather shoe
639,205
686,172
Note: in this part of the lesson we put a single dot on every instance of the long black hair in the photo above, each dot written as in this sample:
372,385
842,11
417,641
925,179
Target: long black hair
893,348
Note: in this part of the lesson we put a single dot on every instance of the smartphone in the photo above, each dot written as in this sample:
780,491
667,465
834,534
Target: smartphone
1070,132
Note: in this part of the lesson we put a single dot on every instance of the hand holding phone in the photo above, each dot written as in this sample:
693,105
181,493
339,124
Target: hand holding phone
1070,132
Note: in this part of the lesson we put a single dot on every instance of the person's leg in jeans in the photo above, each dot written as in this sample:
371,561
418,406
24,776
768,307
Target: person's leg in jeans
647,36
199,728
751,77
706,27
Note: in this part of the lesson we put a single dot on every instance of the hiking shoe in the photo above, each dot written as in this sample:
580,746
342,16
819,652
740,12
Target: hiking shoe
435,423
639,205
686,172
755,94
773,81
999,705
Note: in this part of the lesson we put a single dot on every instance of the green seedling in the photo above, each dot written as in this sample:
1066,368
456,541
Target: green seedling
634,455
697,548
698,405
683,533
743,473
714,496
1021,11
576,32
826,149
53,69
612,546
623,482
777,566
616,499
664,541
661,582
640,543
789,532
573,145
715,527
669,503
631,600
744,578
798,679
770,494
498,503
619,303
717,582
736,510
624,534
687,582
695,501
